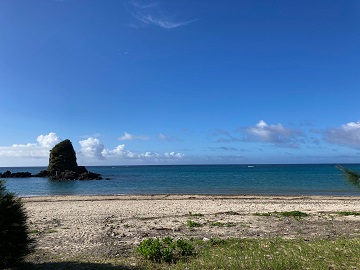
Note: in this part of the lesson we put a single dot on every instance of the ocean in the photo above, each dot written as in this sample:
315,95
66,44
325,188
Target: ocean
299,179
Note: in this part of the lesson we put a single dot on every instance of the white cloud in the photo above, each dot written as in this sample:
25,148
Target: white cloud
92,147
39,150
152,14
119,151
48,141
276,134
161,22
150,155
131,137
175,155
92,151
347,134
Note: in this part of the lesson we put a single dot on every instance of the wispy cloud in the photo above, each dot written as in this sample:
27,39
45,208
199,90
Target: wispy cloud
141,5
148,14
131,137
347,134
276,134
225,136
167,138
223,148
161,22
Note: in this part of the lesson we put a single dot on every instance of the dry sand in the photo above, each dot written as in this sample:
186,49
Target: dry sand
68,226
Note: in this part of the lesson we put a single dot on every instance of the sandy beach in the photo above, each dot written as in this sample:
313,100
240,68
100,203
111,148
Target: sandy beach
67,226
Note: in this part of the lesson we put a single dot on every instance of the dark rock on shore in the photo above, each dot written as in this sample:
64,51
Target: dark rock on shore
9,174
71,175
67,175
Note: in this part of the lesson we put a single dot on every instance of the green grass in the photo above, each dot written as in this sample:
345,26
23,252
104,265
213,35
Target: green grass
222,224
251,253
190,214
165,250
276,253
295,214
349,213
268,214
192,224
51,231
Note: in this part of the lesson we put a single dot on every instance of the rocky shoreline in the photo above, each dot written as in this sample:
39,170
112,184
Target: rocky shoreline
81,174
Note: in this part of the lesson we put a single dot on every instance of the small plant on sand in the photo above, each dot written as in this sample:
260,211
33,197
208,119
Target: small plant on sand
268,214
165,250
295,214
190,214
193,224
14,240
222,224
349,213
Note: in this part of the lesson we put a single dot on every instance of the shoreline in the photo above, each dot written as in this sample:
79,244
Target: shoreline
180,197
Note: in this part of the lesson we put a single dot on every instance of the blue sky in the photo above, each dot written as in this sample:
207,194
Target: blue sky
180,82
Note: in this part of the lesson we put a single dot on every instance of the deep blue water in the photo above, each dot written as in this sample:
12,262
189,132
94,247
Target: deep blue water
311,179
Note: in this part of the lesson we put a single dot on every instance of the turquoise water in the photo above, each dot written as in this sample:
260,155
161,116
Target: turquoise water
312,179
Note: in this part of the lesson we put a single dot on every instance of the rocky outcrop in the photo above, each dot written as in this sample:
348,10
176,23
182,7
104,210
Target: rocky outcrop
62,166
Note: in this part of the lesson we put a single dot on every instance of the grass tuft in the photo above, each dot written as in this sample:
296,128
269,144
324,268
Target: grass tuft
192,224
347,213
195,214
295,214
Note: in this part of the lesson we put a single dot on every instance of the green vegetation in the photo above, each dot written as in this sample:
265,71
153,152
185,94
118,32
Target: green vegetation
14,240
295,214
195,214
351,176
346,213
277,254
222,224
193,224
165,250
264,214
250,254
62,157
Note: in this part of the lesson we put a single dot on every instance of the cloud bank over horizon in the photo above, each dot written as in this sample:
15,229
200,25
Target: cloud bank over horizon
93,151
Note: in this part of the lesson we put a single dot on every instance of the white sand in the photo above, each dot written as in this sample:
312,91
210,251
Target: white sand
70,225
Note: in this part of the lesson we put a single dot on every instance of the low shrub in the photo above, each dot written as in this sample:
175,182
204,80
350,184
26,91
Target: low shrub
190,214
294,214
14,240
193,224
165,250
349,213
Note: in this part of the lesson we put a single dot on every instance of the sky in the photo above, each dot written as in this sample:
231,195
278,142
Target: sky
138,82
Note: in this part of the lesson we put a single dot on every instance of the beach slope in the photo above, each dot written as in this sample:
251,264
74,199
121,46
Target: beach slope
68,226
